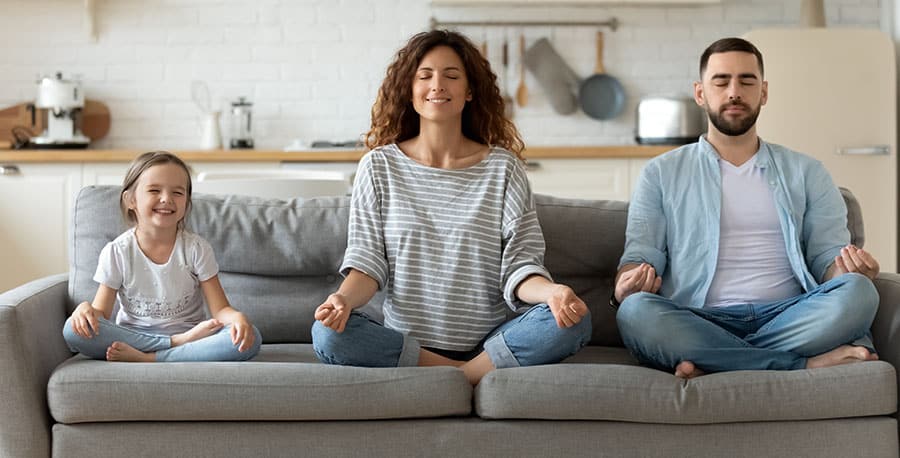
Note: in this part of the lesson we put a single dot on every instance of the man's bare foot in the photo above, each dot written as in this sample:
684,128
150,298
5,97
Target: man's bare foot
841,355
121,351
201,330
687,370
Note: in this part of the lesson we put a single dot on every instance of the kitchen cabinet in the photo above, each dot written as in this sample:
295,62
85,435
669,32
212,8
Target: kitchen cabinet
114,172
611,179
34,219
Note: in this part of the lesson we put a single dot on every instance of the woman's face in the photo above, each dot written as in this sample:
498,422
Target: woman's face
440,89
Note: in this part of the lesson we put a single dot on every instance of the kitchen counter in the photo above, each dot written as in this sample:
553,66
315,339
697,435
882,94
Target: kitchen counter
317,155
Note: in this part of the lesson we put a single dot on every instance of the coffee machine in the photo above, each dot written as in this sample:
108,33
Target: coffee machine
64,100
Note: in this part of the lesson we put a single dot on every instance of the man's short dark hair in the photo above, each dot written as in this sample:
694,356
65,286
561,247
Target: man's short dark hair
728,45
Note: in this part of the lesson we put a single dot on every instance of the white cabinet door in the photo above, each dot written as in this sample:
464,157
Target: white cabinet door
581,178
35,209
111,173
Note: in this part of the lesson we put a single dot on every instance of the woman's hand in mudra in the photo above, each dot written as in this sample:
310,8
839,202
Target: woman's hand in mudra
566,306
334,312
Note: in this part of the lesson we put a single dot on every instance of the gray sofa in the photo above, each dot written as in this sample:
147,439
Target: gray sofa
278,261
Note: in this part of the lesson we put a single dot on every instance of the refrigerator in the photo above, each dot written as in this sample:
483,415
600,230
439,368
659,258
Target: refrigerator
833,96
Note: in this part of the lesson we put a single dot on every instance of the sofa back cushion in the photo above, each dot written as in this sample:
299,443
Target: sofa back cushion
278,259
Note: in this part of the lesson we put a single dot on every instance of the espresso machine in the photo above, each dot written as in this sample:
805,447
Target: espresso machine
63,100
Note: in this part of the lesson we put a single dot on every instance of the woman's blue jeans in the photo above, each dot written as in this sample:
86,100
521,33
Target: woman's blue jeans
530,339
777,335
217,347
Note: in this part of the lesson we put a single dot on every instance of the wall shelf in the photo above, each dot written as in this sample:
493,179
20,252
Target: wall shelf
612,23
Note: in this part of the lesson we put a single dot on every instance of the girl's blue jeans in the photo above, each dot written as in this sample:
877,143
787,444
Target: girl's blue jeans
530,339
777,335
217,347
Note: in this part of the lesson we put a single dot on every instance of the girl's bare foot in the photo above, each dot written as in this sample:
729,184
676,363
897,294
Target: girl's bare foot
201,330
121,351
687,370
841,355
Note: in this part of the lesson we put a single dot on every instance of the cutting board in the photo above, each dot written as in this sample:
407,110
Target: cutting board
95,121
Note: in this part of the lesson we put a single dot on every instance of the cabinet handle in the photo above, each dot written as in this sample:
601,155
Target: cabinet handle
532,165
865,150
9,170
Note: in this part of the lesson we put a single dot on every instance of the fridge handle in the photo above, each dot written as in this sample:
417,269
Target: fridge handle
865,150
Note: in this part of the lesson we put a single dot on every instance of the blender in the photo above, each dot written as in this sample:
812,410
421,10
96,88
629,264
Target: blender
241,127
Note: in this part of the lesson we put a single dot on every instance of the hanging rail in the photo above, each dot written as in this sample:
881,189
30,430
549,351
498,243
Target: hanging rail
612,23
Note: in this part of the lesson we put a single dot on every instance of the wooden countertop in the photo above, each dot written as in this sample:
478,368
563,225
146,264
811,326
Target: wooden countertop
324,155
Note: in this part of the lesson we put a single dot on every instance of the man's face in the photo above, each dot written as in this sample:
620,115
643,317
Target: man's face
732,92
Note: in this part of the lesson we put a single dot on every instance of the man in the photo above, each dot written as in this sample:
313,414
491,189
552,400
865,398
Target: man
737,252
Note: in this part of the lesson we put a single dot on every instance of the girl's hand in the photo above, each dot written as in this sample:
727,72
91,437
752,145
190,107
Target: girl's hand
86,320
334,312
566,306
242,332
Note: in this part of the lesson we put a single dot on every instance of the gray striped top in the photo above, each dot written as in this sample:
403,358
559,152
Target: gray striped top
450,246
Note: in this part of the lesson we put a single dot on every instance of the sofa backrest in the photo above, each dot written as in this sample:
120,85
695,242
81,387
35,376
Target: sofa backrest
278,259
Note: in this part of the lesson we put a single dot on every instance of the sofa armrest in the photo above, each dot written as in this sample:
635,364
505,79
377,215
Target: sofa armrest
31,346
886,327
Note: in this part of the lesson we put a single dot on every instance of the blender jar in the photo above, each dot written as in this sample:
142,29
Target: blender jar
241,127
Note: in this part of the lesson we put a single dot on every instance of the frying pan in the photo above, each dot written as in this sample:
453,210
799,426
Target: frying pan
601,96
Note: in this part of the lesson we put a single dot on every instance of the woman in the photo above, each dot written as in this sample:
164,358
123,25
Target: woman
442,216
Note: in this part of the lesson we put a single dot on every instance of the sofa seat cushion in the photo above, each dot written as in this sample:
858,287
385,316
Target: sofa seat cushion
618,392
284,382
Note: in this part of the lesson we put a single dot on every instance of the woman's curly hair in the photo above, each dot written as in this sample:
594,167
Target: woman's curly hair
394,119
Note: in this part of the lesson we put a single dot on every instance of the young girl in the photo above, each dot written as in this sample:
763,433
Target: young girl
442,217
159,274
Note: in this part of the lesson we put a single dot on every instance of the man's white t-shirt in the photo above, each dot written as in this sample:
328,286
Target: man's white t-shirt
753,265
158,298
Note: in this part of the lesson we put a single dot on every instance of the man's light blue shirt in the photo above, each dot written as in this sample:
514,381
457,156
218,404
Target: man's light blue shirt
674,217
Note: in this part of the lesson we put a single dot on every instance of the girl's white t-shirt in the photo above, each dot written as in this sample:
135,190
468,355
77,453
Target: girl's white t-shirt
158,298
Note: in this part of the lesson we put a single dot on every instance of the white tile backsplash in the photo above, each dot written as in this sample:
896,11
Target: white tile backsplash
312,67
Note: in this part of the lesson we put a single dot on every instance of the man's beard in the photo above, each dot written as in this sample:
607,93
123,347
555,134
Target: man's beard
736,127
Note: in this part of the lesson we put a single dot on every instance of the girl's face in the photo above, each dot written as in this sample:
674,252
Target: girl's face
440,89
159,197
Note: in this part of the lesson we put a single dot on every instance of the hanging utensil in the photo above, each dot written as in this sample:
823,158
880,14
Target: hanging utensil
601,95
507,99
557,79
522,91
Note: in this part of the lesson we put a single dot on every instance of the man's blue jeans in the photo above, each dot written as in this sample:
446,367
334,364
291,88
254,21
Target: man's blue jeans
778,335
530,339
217,347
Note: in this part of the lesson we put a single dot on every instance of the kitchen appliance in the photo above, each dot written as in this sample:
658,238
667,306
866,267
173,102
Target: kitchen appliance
833,96
668,120
241,124
64,100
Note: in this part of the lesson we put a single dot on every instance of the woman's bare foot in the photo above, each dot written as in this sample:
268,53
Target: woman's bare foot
687,370
427,358
476,368
121,351
841,355
201,330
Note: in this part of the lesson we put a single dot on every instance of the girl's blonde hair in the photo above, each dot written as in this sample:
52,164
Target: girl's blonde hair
137,168
483,120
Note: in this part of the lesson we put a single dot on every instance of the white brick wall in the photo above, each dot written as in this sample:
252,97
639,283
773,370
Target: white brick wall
312,67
